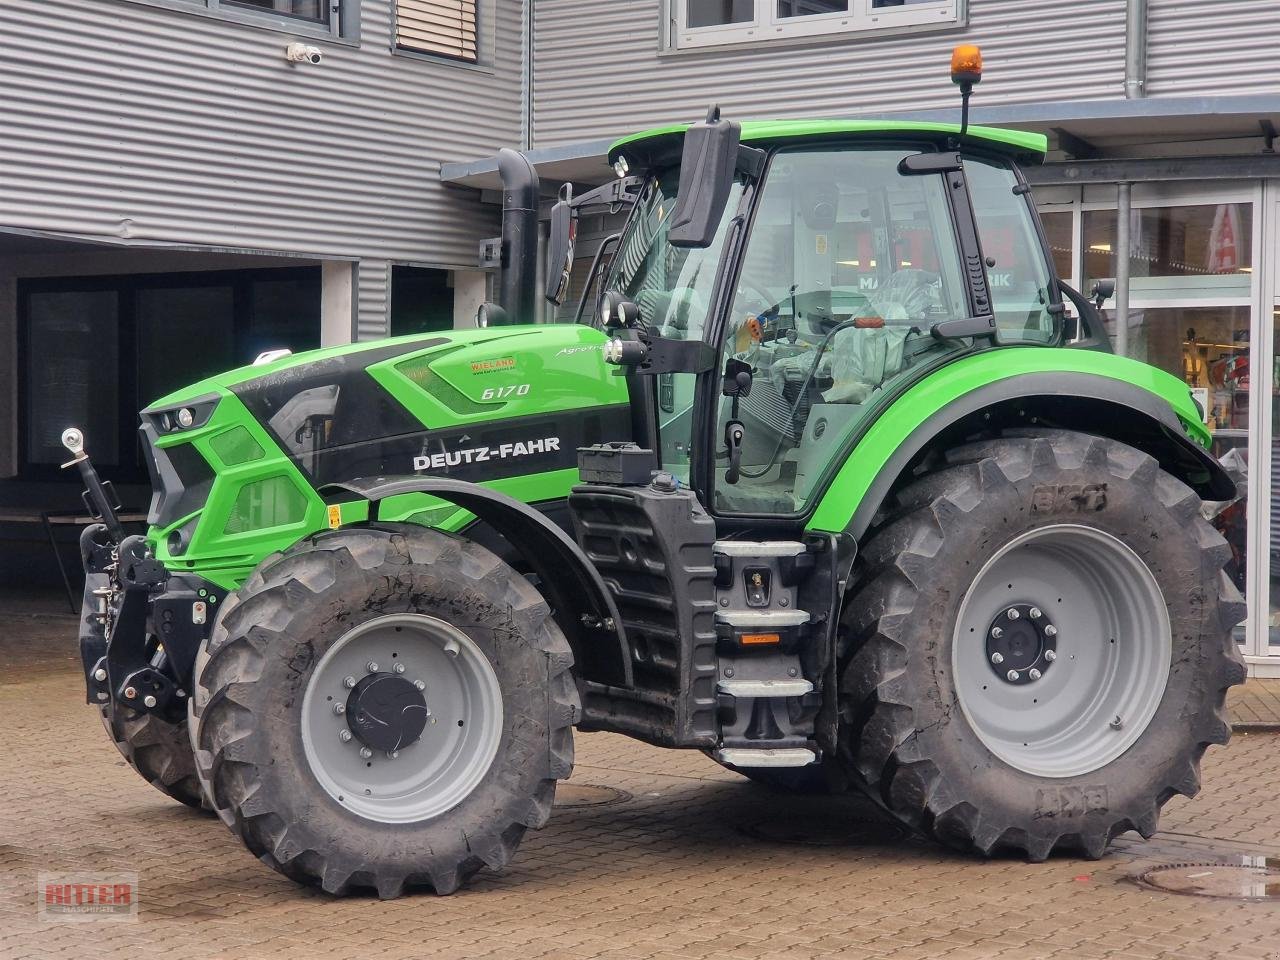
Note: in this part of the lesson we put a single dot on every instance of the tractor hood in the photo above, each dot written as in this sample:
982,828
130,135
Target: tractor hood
240,461
364,354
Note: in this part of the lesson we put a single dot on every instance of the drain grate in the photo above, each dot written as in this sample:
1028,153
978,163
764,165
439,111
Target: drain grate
826,830
1241,878
588,795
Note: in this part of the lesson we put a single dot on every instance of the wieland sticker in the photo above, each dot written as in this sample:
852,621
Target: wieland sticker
493,366
497,451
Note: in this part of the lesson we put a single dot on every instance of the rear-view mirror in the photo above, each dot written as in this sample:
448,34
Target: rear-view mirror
564,229
707,166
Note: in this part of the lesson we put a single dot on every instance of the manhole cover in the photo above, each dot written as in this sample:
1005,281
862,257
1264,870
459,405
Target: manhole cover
1247,878
588,795
833,830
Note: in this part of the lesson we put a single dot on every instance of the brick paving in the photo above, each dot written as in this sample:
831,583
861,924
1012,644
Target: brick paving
665,871
1255,705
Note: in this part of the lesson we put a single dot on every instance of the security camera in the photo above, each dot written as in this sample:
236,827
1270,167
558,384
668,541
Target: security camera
303,53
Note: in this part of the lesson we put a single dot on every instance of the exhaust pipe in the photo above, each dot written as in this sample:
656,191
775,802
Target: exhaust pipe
520,190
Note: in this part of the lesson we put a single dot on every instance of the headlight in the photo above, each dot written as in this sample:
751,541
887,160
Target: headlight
186,416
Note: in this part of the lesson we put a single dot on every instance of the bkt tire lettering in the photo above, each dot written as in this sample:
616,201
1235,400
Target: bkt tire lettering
454,458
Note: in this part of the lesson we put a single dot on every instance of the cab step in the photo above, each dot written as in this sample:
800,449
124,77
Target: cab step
781,757
764,688
759,548
762,619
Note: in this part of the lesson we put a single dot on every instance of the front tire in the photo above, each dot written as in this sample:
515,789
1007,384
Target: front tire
158,750
361,634
1041,647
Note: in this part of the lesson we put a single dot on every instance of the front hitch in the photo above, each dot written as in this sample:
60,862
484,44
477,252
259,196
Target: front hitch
124,660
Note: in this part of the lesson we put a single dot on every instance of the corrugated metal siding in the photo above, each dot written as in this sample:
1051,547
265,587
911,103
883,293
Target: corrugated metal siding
1207,47
128,121
597,71
373,299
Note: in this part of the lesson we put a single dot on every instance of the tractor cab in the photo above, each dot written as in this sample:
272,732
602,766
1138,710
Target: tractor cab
847,260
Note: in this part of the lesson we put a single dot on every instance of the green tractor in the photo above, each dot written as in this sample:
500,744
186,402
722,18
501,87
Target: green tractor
834,480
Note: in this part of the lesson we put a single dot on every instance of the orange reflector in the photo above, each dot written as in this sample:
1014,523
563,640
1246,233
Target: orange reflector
758,639
966,64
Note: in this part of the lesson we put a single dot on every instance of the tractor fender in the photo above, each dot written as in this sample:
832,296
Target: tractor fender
583,606
1090,403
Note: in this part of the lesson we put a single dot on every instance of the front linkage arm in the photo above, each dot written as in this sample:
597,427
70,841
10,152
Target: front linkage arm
140,627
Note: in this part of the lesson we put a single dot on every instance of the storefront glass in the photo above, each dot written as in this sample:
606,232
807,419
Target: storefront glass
1190,314
1200,251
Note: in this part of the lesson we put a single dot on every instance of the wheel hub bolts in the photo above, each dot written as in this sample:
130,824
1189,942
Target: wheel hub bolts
372,666
419,684
399,668
349,682
366,753
339,708
344,736
1020,645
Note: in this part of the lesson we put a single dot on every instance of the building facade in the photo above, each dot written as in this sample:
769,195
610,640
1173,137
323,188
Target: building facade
184,183
149,141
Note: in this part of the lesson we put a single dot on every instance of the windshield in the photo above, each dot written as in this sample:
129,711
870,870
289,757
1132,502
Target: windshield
671,285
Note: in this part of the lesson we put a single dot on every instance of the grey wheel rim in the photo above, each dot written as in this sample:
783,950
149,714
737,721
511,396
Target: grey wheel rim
1103,659
459,736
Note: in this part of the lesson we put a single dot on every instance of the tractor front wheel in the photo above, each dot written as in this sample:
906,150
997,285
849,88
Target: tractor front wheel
1041,648
384,707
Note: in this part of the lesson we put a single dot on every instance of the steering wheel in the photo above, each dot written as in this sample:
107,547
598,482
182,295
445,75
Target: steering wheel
768,296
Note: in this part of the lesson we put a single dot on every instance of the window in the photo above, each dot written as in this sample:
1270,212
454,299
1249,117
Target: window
848,265
99,349
317,10
445,28
704,23
1017,271
324,19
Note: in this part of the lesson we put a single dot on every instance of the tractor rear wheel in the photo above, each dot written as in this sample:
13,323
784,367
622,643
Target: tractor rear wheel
384,707
1041,646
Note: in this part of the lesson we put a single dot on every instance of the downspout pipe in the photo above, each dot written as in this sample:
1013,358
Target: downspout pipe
520,191
1135,50
1124,207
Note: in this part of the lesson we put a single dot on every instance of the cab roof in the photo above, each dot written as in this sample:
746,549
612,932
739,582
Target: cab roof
661,145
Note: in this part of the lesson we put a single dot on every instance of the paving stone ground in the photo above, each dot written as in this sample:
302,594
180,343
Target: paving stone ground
672,870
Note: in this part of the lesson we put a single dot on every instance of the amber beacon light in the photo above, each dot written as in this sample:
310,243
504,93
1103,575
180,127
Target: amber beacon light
966,70
966,64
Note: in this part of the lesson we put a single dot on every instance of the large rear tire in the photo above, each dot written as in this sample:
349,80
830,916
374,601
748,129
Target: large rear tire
477,698
1041,646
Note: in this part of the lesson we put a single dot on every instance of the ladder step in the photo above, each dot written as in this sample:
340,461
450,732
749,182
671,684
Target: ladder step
762,619
784,757
756,548
766,688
